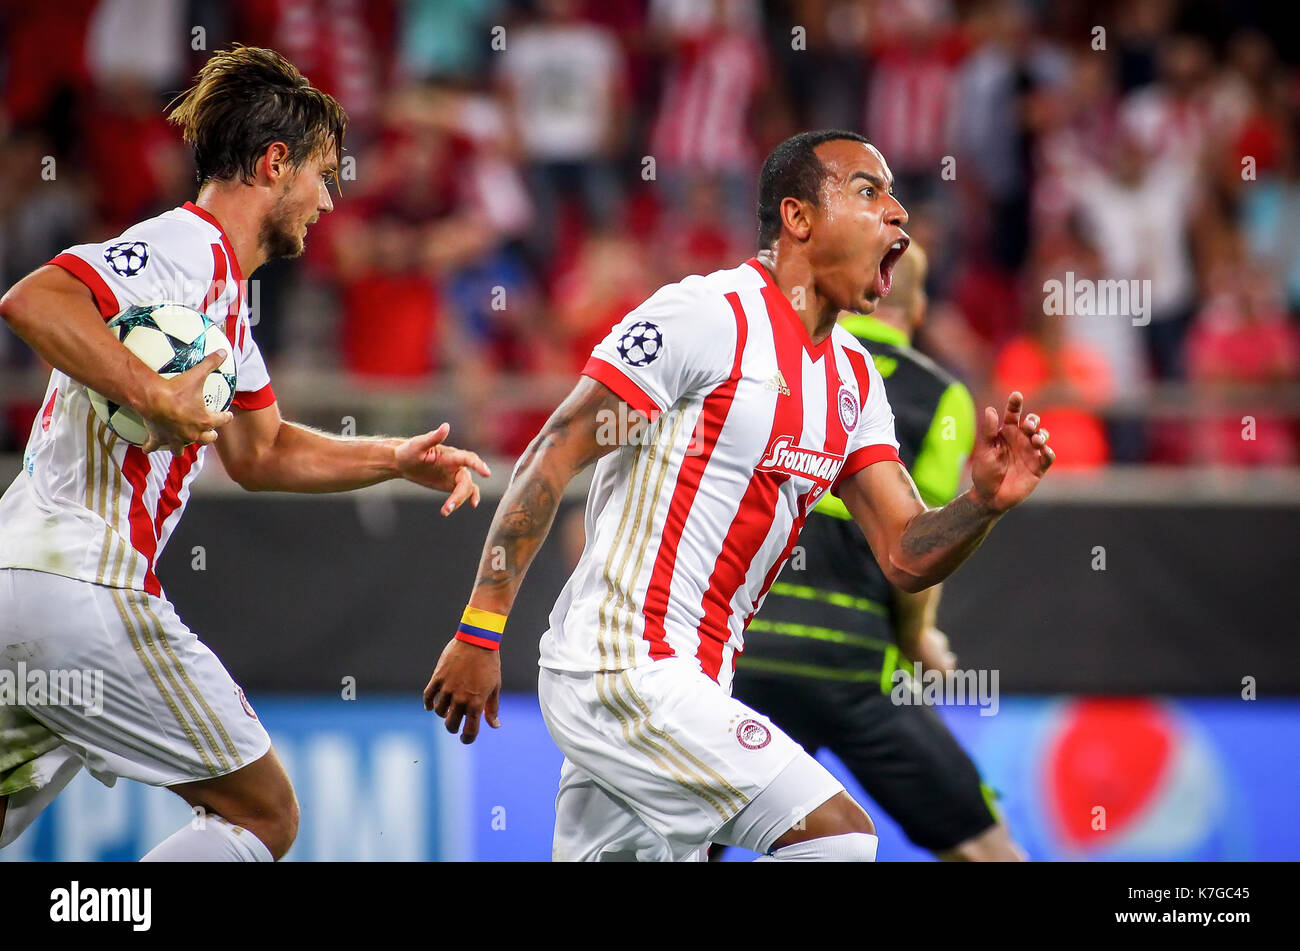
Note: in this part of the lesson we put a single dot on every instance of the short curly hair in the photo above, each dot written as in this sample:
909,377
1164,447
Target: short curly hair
792,170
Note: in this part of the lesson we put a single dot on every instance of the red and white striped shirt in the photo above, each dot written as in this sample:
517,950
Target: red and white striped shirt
688,526
703,120
88,505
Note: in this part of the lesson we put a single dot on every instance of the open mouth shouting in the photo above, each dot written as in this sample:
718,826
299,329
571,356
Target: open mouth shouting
885,275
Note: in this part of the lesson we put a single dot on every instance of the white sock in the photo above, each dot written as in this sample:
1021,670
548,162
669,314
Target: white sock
850,847
213,840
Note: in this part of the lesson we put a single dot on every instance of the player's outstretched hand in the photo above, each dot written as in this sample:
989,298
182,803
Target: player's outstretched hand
426,460
1010,455
466,685
176,414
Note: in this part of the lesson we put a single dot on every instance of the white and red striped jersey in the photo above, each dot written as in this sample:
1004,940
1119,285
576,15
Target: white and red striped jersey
88,505
703,119
688,525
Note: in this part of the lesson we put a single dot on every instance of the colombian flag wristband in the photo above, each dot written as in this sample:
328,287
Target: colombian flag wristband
481,628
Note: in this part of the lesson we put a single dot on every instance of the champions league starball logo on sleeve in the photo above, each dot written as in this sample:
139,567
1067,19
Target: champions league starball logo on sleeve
127,258
641,345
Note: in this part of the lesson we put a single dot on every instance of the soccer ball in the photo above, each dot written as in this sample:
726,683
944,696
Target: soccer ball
641,345
170,338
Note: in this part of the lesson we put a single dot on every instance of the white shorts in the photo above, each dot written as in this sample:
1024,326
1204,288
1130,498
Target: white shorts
130,690
659,762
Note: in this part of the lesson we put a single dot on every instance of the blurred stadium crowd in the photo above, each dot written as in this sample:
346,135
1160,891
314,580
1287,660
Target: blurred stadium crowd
520,174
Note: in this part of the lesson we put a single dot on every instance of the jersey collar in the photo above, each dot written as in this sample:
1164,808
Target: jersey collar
235,271
778,302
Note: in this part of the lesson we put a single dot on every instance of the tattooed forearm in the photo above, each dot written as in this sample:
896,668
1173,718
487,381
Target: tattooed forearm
522,519
518,530
566,445
528,517
938,540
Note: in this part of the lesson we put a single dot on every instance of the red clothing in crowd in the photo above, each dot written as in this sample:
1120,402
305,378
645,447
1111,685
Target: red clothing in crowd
1222,348
1077,434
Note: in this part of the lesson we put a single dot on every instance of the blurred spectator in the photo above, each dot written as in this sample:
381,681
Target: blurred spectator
390,306
45,71
134,157
1136,212
696,239
345,47
446,40
1242,336
1061,379
1271,213
1249,102
563,81
825,76
1135,36
608,278
1173,118
39,214
993,127
1078,125
383,243
145,40
913,51
715,87
1065,255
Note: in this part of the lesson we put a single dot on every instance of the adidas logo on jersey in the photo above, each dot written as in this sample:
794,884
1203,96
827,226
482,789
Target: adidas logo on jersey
777,384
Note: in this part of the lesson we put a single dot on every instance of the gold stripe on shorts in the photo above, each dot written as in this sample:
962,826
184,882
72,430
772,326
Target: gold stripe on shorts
634,735
118,598
198,694
134,599
672,741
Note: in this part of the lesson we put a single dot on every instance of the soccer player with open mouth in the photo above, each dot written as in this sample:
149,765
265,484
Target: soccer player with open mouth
87,518
750,404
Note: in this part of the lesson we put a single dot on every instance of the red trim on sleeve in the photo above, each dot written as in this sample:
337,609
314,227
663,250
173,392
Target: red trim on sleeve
859,459
624,387
257,399
83,271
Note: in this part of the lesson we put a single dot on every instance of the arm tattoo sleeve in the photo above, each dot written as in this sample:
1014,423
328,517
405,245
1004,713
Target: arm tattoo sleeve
938,540
566,445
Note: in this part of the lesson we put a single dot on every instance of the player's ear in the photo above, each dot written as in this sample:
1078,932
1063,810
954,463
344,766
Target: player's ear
795,217
275,160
